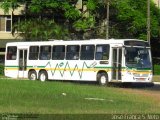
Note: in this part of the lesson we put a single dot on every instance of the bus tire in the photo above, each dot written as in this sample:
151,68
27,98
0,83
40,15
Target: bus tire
43,76
102,79
32,75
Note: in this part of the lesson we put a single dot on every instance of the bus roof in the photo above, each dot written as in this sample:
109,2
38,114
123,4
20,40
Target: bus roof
74,42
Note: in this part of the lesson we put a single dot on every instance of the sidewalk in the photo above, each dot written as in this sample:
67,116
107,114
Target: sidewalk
156,83
156,79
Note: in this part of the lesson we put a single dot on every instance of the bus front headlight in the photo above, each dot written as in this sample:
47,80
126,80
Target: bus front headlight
128,72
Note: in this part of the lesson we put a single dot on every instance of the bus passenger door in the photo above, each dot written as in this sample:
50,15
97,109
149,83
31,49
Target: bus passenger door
22,63
116,63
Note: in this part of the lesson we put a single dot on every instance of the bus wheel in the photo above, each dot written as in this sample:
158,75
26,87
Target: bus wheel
102,79
43,76
32,75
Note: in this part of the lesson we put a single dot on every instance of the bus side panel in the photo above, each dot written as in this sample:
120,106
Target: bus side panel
80,70
109,73
54,69
11,68
71,70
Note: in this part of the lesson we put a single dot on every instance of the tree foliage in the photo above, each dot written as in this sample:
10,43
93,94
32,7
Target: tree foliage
41,30
67,18
59,19
130,19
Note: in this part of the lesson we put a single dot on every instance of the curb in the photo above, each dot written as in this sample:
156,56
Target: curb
156,83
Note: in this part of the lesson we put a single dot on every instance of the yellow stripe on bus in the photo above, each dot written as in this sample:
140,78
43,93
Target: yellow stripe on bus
11,68
85,70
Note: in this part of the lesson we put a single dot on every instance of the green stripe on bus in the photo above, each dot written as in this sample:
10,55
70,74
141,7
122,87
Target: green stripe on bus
11,66
132,68
36,66
103,67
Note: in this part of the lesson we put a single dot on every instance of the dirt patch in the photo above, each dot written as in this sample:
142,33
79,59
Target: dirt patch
149,93
156,78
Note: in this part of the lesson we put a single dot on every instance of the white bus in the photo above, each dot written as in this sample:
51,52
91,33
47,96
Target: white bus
114,60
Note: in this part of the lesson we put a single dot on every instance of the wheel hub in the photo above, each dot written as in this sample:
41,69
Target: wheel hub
103,80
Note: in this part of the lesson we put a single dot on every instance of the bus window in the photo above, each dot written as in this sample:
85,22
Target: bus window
45,53
11,53
58,52
33,52
87,52
72,52
102,52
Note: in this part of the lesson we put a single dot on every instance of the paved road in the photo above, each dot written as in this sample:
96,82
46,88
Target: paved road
156,87
139,86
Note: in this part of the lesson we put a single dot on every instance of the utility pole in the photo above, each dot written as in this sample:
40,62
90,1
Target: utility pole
148,22
107,20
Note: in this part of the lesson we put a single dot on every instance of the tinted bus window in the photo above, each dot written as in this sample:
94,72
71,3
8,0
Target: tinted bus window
87,52
33,52
45,53
58,52
72,52
11,53
102,52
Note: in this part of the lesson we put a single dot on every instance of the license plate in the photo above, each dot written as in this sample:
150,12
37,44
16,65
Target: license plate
141,79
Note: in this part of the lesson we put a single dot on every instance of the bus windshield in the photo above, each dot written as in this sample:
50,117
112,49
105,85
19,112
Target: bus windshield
137,57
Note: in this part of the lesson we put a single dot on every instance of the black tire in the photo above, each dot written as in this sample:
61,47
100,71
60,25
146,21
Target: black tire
102,79
43,76
32,75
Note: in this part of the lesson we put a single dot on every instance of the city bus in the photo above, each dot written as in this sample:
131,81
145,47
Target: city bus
104,61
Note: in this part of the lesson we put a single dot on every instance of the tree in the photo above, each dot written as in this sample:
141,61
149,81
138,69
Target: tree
60,19
55,19
129,19
44,24
41,30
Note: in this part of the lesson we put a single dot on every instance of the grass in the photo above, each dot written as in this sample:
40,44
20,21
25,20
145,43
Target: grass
24,96
157,69
156,77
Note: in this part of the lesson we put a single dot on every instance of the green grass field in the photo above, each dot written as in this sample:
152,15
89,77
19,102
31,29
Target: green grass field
157,69
24,96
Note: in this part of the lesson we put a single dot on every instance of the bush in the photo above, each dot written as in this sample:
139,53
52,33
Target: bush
156,61
1,69
156,69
